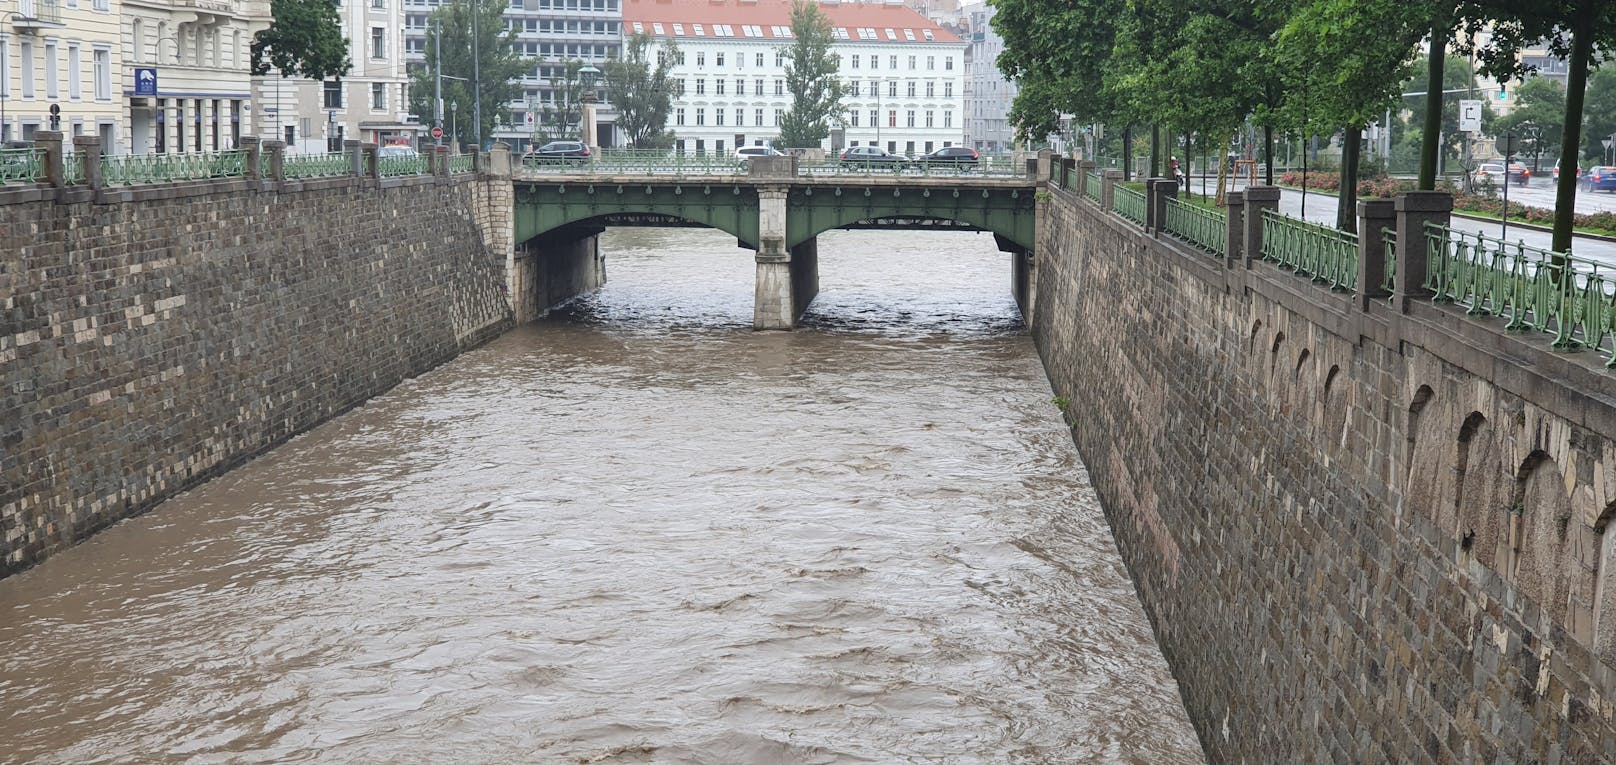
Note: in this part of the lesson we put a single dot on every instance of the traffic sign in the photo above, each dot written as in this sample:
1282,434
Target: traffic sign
1508,144
437,132
528,117
1469,116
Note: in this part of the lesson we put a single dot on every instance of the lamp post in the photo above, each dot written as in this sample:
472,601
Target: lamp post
331,131
476,81
437,81
454,125
587,76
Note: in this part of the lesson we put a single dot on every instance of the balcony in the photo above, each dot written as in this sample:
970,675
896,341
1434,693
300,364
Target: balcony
33,15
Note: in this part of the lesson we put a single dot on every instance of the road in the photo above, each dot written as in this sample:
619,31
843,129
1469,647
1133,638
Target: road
1321,208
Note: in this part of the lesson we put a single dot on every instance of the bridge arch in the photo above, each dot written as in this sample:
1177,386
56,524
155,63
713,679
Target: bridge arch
1008,212
544,207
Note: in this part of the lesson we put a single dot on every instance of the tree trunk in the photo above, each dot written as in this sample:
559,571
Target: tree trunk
1565,197
1268,153
1346,211
1430,142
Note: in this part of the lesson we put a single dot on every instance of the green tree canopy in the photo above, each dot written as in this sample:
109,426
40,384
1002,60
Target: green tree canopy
499,67
1599,116
561,117
1539,116
642,91
305,39
811,67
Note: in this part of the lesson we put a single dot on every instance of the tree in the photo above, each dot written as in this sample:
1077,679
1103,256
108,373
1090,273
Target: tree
305,39
811,67
1412,129
561,116
1599,116
499,67
1539,117
1580,31
643,92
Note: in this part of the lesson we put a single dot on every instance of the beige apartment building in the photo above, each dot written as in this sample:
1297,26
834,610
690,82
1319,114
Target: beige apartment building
185,82
59,60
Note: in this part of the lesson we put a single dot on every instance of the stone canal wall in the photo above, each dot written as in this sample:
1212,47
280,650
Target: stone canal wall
1361,534
150,339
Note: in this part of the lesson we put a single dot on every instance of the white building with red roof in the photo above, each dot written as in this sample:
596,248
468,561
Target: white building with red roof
906,74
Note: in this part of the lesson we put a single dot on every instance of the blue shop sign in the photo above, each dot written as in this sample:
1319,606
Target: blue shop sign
145,81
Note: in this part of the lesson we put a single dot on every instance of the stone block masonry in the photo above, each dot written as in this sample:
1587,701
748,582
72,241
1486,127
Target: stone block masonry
152,338
1364,532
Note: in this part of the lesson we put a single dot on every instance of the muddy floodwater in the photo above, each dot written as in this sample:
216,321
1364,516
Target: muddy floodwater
634,532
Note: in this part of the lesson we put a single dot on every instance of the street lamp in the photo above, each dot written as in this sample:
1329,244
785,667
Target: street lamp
587,76
454,125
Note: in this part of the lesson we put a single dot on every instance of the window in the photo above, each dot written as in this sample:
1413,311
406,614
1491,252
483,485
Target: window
853,116
701,86
931,89
50,70
892,61
102,62
911,119
779,87
27,69
777,113
911,63
948,119
948,63
718,59
740,87
928,120
718,117
701,117
875,61
760,63
892,118
701,58
378,42
948,90
875,118
5,76
679,116
137,40
333,94
779,59
931,63
681,58
680,87
757,117
856,60
718,86
75,78
378,97
892,88
757,86
911,88
740,117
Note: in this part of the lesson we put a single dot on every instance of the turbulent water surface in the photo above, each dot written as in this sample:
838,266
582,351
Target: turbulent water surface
634,532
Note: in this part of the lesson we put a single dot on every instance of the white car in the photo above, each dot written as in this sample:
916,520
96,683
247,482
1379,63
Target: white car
745,153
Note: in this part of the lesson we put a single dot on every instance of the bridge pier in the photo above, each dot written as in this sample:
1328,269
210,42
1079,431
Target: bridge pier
787,279
555,267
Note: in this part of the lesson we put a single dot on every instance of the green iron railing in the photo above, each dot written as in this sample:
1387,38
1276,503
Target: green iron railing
131,169
25,165
1207,229
653,162
331,163
1326,254
400,164
1128,203
73,170
1572,298
1388,236
1092,188
461,163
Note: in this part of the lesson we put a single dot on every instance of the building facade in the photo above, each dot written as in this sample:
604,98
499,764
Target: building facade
62,55
988,93
370,104
549,33
905,74
184,80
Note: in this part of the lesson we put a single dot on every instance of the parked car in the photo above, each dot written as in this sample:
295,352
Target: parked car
559,152
1600,178
1494,171
958,157
870,157
745,153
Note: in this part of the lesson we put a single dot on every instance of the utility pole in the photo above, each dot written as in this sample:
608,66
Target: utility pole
437,85
476,83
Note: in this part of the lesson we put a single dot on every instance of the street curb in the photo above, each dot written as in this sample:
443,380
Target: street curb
1533,227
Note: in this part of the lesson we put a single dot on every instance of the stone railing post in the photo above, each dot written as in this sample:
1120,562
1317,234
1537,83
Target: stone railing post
1414,210
1258,199
1157,192
1082,168
1373,215
254,167
1045,164
356,157
273,162
51,142
499,160
87,152
440,156
372,161
1233,232
1108,188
